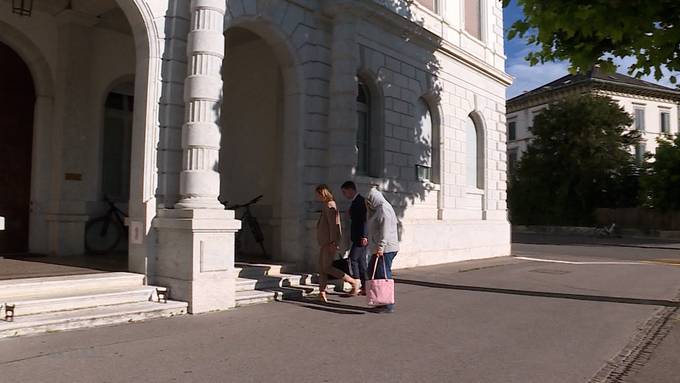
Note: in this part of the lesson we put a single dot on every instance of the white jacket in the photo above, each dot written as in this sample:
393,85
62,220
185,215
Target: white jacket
382,224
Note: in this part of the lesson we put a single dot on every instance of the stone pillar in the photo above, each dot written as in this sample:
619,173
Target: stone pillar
342,119
200,178
196,239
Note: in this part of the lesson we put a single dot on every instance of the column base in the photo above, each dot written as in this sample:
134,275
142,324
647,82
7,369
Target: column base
195,257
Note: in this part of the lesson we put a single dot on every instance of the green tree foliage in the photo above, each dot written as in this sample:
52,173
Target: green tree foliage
660,182
588,32
579,159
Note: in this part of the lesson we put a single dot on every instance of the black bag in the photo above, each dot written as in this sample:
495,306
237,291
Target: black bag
342,265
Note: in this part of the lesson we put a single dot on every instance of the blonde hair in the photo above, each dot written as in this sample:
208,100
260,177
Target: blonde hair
325,193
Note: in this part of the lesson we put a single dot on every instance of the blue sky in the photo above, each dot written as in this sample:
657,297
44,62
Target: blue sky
527,77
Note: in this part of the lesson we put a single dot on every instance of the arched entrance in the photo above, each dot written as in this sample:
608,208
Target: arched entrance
71,155
261,151
252,117
17,100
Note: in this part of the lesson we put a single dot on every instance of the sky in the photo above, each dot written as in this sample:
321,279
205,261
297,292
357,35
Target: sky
527,77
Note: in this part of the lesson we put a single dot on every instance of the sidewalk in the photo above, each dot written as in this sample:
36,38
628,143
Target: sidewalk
499,320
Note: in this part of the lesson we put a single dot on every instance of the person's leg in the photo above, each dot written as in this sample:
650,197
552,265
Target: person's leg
323,278
354,261
358,261
389,257
335,273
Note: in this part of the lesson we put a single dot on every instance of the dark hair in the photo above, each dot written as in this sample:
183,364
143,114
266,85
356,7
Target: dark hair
349,185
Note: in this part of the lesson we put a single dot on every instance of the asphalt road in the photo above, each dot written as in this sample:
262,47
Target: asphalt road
501,320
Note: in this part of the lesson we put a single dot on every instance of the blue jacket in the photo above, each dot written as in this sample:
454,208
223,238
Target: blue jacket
357,214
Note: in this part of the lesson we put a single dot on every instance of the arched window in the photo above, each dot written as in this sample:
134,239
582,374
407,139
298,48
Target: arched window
363,140
427,142
474,149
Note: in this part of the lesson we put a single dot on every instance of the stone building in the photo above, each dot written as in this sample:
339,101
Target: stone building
653,107
168,107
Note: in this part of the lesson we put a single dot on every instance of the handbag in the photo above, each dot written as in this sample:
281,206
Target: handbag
380,291
342,265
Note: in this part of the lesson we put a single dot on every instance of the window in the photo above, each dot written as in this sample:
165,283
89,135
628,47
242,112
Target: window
117,141
474,155
665,122
640,119
432,5
473,18
363,129
640,150
513,157
512,131
424,144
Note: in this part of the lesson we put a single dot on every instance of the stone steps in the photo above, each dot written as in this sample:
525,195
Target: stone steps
28,305
263,283
69,284
69,302
90,317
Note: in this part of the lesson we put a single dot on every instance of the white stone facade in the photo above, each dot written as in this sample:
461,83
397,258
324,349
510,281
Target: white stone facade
211,76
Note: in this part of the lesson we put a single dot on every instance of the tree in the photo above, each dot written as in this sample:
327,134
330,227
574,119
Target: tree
579,159
589,32
661,178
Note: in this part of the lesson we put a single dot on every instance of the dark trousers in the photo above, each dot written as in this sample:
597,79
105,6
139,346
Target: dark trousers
358,262
382,269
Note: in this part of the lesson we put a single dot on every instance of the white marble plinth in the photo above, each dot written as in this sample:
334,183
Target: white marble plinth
195,257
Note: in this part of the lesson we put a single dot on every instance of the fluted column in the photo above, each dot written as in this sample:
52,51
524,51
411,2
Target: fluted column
200,178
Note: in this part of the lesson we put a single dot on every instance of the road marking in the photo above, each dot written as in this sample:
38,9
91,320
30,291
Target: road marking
579,262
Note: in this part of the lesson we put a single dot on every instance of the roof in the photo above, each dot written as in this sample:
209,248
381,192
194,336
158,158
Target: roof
597,76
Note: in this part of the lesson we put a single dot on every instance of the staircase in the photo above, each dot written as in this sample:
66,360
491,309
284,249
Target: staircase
76,301
262,283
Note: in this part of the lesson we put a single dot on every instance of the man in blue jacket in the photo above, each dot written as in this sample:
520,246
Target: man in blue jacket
358,232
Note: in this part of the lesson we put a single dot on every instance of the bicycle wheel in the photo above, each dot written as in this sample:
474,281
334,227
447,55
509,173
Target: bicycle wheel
102,235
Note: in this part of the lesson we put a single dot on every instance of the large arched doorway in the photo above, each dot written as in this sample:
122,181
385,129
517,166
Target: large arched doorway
251,160
17,99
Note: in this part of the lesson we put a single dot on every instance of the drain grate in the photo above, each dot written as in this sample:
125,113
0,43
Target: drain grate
550,271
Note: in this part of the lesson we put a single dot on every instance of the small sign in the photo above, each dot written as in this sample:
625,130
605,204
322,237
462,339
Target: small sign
73,176
136,233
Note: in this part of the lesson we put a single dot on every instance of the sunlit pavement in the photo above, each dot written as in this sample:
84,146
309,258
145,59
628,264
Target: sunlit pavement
560,315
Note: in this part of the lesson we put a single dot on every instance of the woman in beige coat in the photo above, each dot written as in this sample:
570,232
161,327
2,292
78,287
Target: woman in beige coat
328,235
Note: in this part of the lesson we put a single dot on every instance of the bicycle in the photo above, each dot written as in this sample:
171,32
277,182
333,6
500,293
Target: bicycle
104,233
607,231
249,221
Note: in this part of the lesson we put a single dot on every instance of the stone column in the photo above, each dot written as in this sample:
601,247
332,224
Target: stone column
200,179
196,238
342,119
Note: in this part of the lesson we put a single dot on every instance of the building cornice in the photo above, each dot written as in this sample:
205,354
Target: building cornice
531,100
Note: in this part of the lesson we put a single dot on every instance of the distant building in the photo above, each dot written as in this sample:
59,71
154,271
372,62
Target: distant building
653,107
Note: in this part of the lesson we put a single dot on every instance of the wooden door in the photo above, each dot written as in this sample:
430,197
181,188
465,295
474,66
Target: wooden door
17,100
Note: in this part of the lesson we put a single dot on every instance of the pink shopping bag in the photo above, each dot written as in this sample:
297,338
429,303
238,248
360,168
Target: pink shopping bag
380,291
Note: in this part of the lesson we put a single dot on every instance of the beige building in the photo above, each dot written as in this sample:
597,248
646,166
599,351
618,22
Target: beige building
653,107
167,108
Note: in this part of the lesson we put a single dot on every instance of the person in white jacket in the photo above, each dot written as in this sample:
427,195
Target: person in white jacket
383,238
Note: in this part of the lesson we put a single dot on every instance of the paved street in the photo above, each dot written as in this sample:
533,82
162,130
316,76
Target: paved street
500,320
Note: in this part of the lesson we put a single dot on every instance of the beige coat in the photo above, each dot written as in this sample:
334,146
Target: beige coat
328,228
